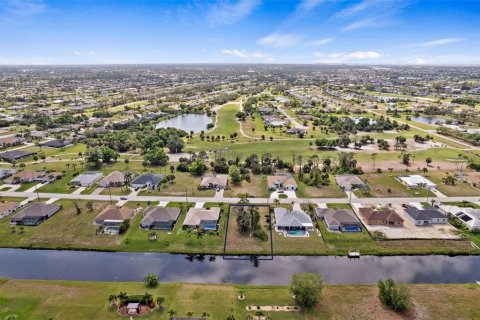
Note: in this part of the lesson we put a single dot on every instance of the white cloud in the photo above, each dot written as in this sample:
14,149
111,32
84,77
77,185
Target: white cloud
319,42
371,14
247,55
307,5
441,42
342,57
88,53
24,7
278,40
358,8
420,61
228,12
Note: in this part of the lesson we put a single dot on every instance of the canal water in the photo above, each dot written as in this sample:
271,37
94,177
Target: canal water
129,266
187,122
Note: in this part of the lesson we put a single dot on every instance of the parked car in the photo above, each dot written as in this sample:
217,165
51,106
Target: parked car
123,198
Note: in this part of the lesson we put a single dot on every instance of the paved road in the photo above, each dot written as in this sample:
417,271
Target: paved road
234,200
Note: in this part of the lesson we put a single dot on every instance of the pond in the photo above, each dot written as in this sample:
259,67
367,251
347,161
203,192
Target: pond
428,120
187,122
129,266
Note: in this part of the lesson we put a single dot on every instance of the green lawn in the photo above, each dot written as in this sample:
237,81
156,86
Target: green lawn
88,300
184,183
386,185
227,121
330,191
136,239
26,186
61,185
459,189
65,229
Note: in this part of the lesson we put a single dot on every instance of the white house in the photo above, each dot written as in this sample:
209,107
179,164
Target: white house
470,217
417,181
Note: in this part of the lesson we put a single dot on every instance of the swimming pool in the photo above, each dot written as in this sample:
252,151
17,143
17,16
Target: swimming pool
352,229
296,232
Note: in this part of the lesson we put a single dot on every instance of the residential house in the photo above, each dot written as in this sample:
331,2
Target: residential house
8,207
470,217
426,217
5,173
160,218
219,181
26,176
12,155
86,179
147,180
417,181
286,220
114,216
202,218
339,220
35,213
382,216
10,141
286,182
297,130
57,143
114,179
349,181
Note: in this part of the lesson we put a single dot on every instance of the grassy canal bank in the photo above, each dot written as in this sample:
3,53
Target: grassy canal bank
42,300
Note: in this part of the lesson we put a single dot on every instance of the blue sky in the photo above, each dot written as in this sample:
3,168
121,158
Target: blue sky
240,31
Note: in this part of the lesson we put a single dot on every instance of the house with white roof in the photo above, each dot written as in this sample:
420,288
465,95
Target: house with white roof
470,217
417,181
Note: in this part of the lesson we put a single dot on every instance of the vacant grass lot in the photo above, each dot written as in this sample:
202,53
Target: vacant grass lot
184,183
88,300
257,187
330,191
239,242
458,189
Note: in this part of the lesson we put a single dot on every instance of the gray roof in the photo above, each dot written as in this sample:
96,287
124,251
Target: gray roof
37,209
348,181
15,154
160,214
338,217
425,214
286,218
148,178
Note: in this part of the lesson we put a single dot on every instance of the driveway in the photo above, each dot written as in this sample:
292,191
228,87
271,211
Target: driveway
98,190
290,194
79,190
219,193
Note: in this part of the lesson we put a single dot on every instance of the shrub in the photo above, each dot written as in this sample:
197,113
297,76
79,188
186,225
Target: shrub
151,280
394,297
307,288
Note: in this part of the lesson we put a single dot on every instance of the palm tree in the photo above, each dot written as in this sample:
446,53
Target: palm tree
190,314
188,233
205,315
89,205
74,165
68,167
172,313
112,299
147,298
160,303
374,157
122,296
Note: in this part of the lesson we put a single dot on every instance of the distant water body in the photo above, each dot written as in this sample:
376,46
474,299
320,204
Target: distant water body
187,122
